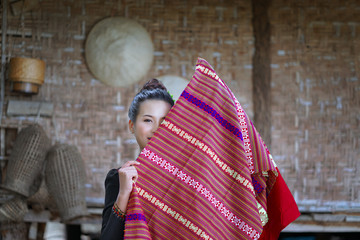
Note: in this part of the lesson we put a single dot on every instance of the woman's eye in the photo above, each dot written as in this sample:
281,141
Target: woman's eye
147,120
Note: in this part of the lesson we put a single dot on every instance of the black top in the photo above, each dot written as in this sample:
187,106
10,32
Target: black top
112,225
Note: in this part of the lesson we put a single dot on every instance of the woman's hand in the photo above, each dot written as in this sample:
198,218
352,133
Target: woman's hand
127,176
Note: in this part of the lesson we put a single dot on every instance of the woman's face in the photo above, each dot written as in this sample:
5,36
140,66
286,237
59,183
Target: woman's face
150,115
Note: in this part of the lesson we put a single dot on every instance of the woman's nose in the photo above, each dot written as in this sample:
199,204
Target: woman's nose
155,127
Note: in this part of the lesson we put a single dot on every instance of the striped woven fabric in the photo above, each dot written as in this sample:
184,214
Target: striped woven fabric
135,221
206,173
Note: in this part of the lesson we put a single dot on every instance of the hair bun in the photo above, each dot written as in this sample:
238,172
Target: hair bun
153,84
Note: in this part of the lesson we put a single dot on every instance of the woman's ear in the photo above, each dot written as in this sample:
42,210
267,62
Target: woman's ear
131,126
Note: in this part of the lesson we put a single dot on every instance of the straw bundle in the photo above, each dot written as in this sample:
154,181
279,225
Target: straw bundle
42,199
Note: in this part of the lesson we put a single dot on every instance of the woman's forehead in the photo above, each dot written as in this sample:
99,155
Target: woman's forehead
154,108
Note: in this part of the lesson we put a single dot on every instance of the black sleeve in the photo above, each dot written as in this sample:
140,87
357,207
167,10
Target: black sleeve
112,225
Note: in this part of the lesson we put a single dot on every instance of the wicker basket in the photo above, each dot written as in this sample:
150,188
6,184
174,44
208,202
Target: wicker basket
26,160
65,178
13,210
27,74
42,199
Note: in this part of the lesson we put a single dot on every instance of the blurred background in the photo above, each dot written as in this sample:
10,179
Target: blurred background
293,65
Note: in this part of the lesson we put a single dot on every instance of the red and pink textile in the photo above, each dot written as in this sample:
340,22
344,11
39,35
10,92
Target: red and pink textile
206,174
135,222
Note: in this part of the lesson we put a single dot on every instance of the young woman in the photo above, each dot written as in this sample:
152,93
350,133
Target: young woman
147,111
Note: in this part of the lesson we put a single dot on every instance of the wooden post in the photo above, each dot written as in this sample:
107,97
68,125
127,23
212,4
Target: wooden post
261,69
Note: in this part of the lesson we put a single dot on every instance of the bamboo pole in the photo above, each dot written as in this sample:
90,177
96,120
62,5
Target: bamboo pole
3,56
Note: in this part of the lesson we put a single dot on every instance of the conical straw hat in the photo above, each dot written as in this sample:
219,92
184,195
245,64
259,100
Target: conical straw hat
174,84
119,51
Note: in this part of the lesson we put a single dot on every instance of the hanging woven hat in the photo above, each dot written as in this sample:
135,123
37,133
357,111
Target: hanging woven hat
174,84
26,160
119,51
13,210
65,179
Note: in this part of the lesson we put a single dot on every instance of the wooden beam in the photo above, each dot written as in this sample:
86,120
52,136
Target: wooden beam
261,69
28,108
24,6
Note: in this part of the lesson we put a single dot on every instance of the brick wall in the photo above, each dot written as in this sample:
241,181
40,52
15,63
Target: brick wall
315,81
94,116
315,89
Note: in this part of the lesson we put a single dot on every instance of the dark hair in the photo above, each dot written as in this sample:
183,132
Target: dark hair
152,90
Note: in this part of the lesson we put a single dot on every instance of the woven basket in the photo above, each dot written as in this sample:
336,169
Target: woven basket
42,199
26,160
65,179
13,210
27,74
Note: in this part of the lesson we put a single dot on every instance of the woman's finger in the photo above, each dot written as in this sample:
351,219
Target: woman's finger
130,163
130,172
135,178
